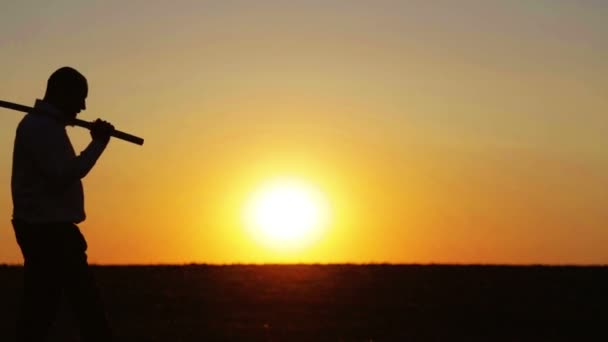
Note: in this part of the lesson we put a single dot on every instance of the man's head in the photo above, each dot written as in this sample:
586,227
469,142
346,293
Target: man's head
67,90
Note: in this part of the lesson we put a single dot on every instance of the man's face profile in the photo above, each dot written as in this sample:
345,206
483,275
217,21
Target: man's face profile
75,101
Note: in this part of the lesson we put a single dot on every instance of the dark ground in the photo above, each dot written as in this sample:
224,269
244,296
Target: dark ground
341,303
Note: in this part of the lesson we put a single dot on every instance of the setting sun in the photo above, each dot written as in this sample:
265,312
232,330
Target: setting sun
286,214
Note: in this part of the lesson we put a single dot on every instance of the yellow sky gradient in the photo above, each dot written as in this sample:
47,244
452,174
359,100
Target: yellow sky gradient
468,132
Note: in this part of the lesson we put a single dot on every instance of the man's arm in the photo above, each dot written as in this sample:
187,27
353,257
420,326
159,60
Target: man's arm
53,155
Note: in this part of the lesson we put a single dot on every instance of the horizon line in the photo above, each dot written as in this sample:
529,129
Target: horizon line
194,264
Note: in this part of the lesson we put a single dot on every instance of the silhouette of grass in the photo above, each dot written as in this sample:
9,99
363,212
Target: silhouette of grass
341,303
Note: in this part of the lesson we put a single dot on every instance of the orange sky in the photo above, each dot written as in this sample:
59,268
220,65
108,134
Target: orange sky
460,132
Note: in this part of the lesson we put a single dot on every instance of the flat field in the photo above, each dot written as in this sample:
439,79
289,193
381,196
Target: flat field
339,303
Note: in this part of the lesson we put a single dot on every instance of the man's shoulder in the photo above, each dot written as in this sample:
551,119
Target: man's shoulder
36,127
37,122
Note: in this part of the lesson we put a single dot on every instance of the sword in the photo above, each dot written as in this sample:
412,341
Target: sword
76,122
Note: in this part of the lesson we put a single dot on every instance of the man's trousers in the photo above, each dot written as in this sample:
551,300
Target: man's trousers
55,267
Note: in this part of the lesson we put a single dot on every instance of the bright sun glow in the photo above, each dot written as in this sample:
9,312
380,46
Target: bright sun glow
286,214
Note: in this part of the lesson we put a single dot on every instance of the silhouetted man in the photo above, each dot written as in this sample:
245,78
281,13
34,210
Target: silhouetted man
48,202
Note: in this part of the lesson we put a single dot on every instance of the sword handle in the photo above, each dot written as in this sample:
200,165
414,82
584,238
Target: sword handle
116,134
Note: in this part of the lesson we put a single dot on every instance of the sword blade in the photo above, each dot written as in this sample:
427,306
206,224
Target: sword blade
77,122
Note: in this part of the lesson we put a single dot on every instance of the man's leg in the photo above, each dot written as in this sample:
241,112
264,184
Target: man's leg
42,290
81,290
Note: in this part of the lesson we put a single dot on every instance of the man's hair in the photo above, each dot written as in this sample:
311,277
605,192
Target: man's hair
63,81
